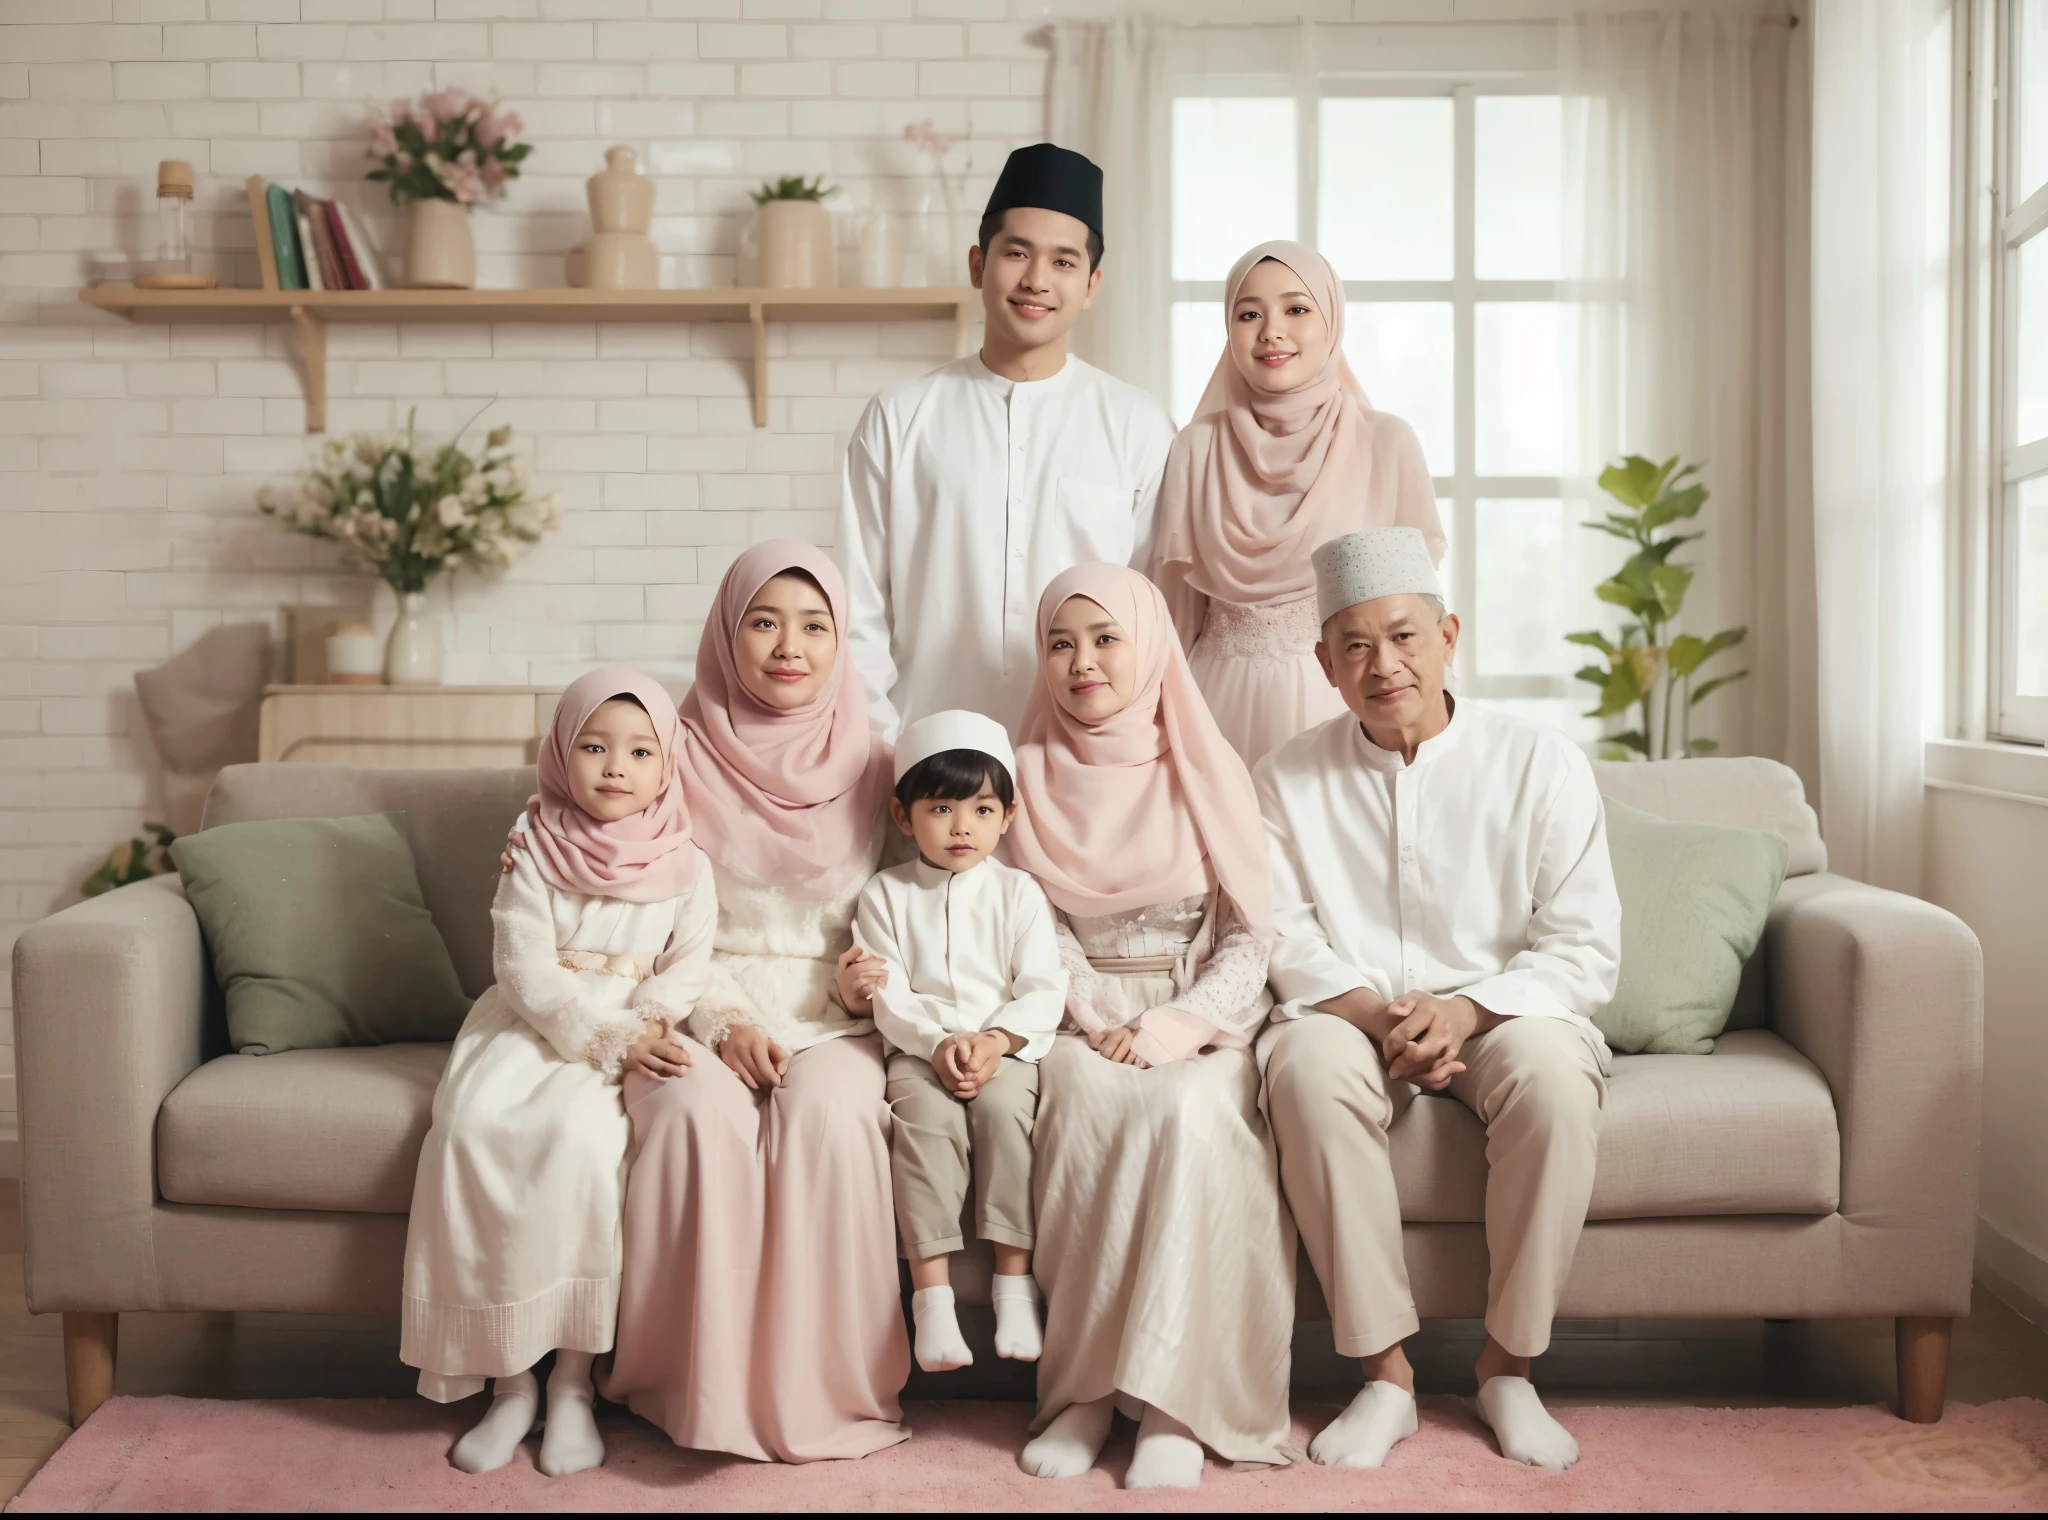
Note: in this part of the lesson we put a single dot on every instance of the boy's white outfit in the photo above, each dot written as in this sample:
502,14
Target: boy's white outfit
964,493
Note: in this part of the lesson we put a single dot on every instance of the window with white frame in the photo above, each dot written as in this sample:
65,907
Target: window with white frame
1437,202
2021,314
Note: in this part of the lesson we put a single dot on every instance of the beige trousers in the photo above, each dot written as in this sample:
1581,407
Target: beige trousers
1535,1085
938,1141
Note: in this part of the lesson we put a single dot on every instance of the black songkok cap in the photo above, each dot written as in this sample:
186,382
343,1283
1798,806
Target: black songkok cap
1052,179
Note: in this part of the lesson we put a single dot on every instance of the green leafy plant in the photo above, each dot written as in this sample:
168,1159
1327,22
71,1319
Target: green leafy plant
793,187
1650,672
133,860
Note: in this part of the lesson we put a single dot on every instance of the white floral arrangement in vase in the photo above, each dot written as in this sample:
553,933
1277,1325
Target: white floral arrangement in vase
409,511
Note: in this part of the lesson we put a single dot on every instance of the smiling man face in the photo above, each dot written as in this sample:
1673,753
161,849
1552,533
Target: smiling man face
1036,278
1388,659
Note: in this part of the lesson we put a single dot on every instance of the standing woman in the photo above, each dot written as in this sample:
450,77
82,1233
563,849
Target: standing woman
1284,453
760,1312
1163,1249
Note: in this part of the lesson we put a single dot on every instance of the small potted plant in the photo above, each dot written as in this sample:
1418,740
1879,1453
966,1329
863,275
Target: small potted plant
409,510
793,233
442,154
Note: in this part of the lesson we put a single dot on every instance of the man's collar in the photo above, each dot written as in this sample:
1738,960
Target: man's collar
1380,759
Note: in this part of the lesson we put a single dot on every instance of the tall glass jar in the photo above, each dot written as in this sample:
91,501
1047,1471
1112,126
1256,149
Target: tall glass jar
173,213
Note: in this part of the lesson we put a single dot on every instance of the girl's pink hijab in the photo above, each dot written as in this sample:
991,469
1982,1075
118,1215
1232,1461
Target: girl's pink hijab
648,857
1152,804
787,798
1256,481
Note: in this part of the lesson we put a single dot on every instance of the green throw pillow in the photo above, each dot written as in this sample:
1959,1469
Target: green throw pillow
319,934
1693,901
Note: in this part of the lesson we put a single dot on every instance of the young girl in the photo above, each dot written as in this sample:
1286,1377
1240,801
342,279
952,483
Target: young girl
603,938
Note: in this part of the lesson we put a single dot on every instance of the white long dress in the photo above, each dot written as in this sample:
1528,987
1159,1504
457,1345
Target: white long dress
514,1247
1166,1256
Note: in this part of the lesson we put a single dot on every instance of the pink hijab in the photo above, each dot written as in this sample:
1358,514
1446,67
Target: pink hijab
1150,805
788,798
1256,481
648,857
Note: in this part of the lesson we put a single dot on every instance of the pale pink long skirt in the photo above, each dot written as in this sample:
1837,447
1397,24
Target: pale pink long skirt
759,1312
1258,671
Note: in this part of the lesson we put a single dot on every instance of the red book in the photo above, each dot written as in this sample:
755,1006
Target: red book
343,249
332,275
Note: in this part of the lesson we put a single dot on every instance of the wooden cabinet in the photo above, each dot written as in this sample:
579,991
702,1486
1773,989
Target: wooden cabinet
441,727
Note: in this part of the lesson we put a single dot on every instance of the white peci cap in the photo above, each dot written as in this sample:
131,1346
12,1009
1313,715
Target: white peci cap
1369,564
956,728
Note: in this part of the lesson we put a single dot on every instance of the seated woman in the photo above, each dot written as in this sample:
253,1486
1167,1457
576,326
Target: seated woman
760,1312
1284,453
1165,1255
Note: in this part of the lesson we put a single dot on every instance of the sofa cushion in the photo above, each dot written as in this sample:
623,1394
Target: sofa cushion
457,821
1749,1129
334,1130
1744,792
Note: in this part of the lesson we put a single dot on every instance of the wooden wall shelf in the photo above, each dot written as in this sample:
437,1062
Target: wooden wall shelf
312,310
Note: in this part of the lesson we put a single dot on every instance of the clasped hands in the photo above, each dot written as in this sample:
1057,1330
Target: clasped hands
965,1063
1419,1036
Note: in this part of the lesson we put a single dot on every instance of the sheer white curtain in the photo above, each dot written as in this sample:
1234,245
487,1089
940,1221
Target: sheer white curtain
1105,97
1684,223
1880,151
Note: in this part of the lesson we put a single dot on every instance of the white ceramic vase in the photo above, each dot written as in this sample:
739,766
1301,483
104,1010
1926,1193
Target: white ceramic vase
440,253
412,655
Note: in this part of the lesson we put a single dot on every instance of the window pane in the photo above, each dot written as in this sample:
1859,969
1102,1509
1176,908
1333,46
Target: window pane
2030,96
1233,180
1516,191
2030,338
1197,345
1528,593
2030,662
1518,419
1447,572
1383,204
1401,353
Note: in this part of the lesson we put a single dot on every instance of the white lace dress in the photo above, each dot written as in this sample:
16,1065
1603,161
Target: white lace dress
1257,667
1165,1254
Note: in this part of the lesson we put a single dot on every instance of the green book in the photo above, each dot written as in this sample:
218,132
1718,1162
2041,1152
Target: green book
284,237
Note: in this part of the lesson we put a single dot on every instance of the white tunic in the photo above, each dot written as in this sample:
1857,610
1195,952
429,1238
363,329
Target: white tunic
1481,870
513,1249
964,494
967,951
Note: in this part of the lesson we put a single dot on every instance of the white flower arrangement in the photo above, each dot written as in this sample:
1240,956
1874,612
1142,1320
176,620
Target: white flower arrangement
408,511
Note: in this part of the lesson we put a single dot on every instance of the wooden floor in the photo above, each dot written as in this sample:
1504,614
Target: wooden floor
1997,1355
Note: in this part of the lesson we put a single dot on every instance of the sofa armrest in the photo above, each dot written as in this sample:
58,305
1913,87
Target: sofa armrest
1885,994
109,1010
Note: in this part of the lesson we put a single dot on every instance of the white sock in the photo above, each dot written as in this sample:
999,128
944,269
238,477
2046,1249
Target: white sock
515,1400
1168,1455
1071,1443
1018,1335
570,1443
1382,1415
940,1346
1523,1427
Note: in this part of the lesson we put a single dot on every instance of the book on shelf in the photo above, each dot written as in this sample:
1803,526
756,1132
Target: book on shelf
306,243
259,213
365,254
313,240
338,236
284,240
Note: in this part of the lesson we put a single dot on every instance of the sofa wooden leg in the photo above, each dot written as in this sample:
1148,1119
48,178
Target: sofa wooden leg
1923,1366
89,1341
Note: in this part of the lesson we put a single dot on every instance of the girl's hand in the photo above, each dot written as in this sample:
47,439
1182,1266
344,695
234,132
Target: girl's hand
1116,1045
862,974
657,1052
754,1058
515,841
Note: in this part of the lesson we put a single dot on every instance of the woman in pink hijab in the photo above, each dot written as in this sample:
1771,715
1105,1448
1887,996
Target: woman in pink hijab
1166,1257
760,1312
1284,453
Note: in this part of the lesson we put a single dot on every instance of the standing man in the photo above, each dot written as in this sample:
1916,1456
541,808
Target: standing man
969,488
1447,918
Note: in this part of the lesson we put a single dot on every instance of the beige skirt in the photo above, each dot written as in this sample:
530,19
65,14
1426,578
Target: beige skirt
1165,1253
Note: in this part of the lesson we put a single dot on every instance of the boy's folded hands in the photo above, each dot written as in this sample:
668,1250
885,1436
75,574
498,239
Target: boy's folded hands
967,1062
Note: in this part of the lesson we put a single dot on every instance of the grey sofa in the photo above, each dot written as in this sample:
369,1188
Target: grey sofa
1822,1162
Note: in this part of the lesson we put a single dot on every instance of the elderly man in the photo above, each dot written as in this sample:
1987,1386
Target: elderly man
1447,921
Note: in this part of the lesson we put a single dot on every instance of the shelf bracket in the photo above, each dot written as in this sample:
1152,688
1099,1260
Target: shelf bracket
963,329
313,348
758,320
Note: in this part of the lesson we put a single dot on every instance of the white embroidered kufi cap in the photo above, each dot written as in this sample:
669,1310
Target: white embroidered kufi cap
956,728
1369,564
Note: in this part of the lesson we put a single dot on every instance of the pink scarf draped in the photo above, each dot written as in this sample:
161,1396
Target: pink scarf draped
787,798
1256,481
648,857
1152,804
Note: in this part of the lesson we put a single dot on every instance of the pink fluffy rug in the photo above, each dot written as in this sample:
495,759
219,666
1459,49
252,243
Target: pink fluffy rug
388,1454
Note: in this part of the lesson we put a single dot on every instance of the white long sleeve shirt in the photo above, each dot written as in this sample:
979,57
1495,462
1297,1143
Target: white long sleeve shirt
964,494
967,951
1481,869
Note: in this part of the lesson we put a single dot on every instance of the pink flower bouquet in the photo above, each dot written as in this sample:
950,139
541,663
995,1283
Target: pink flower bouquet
448,145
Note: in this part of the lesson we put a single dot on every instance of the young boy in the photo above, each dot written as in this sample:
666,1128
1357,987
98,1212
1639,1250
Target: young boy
964,977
